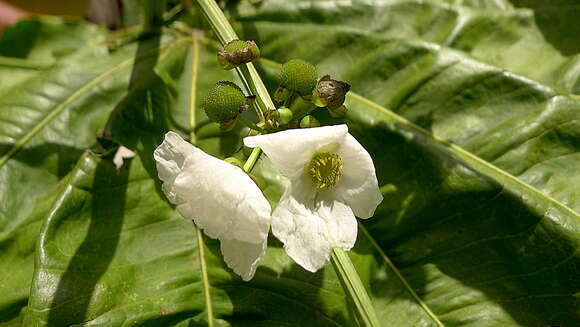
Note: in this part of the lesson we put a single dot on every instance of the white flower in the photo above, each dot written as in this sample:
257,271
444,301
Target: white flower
220,198
332,179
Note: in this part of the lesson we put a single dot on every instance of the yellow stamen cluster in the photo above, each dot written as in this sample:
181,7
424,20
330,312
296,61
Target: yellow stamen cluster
325,169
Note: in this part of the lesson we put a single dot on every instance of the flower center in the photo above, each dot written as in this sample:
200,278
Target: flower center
325,169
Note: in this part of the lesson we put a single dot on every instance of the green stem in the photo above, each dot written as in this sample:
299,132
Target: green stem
247,72
354,288
23,63
252,160
250,123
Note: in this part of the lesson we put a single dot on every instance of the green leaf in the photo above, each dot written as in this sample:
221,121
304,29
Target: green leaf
494,32
479,225
114,252
114,256
45,125
34,44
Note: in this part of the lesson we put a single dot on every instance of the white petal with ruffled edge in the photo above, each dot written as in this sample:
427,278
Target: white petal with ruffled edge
292,149
310,228
358,186
237,255
219,197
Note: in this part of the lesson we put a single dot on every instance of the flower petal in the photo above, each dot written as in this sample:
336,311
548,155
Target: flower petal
358,186
292,149
121,154
309,227
219,197
242,257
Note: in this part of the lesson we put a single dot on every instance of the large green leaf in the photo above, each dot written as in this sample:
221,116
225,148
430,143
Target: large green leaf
45,125
492,31
484,232
476,155
114,253
108,276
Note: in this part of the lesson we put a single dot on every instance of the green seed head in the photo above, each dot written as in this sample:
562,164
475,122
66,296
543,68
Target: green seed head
238,52
325,170
224,102
298,76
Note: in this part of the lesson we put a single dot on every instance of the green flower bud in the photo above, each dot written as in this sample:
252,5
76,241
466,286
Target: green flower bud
309,121
224,102
330,93
283,115
233,161
237,52
298,76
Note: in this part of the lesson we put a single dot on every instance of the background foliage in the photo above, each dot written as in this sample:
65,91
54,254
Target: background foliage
470,110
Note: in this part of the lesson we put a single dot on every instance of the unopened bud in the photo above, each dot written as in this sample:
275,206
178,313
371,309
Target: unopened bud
283,115
237,52
309,121
298,76
330,93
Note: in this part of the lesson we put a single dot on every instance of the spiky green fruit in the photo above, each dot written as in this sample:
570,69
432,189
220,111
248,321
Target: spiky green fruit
298,76
224,102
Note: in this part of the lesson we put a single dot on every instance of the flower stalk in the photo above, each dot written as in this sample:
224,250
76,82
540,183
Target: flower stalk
354,288
225,33
252,159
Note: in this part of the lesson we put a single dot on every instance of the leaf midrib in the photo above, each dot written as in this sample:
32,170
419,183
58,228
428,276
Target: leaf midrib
498,174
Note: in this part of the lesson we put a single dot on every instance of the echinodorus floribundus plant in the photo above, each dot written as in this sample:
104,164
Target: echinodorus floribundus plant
237,52
224,102
296,76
